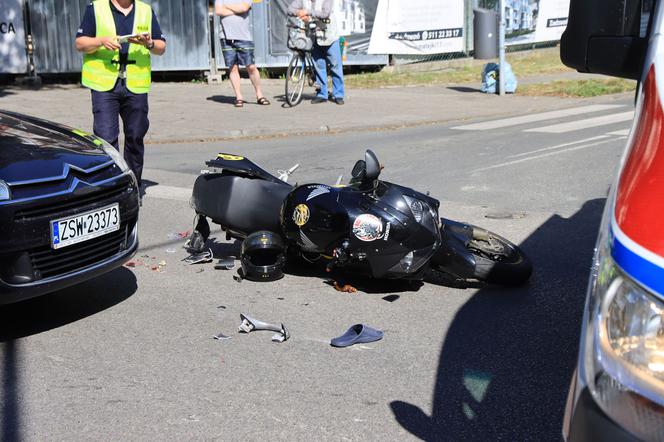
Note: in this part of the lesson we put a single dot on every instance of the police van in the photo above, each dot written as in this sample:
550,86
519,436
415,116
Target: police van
617,390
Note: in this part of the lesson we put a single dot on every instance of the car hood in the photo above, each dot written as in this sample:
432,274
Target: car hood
34,149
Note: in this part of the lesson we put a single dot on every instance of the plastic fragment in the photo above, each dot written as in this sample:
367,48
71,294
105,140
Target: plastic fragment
221,337
197,258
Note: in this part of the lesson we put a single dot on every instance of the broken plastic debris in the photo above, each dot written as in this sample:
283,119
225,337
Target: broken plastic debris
279,337
221,337
197,258
170,250
162,263
250,324
179,235
226,263
130,264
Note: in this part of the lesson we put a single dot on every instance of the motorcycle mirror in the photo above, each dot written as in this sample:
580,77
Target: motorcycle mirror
372,166
359,170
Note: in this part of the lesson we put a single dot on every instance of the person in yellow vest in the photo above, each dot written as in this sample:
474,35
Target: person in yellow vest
117,38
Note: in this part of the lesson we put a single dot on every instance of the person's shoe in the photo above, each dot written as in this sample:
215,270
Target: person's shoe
339,100
318,100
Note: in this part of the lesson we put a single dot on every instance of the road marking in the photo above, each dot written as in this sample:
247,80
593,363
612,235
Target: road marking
558,146
584,124
620,133
548,154
524,119
168,192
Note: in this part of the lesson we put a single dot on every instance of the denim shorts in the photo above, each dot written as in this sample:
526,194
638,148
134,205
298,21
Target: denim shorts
240,52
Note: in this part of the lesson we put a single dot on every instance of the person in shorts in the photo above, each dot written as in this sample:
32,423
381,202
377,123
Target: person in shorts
237,45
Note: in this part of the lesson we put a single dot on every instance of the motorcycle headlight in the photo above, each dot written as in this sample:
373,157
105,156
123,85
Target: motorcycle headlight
424,214
418,210
623,352
5,193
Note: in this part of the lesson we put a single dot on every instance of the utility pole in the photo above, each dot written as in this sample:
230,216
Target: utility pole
501,47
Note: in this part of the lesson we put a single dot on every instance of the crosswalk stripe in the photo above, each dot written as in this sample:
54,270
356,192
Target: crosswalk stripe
544,155
558,146
620,133
584,124
168,192
525,119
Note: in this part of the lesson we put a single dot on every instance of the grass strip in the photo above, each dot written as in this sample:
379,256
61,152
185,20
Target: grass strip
578,88
537,62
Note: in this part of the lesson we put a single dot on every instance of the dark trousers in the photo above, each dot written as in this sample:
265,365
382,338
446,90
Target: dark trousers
133,109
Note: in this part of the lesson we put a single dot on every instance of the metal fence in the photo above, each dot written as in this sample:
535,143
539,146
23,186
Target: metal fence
53,24
192,32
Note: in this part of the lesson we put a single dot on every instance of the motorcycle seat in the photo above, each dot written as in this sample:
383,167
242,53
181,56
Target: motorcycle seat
240,204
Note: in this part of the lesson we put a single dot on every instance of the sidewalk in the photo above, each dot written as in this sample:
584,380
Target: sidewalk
189,112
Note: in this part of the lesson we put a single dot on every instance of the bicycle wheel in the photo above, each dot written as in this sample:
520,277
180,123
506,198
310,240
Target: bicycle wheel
311,71
295,77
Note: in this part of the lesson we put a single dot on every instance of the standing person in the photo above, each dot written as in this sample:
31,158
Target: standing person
118,72
237,45
326,47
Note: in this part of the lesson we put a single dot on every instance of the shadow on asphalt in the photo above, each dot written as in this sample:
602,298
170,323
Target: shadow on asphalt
223,99
46,313
509,354
464,89
54,310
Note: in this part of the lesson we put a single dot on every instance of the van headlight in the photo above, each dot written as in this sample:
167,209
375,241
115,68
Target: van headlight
5,193
623,351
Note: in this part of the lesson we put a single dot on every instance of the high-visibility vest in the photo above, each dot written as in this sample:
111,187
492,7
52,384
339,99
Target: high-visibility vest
101,68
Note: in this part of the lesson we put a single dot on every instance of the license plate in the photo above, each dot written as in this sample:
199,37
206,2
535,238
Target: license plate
79,228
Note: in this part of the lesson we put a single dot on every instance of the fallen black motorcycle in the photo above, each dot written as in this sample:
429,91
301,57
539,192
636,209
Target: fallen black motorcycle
371,227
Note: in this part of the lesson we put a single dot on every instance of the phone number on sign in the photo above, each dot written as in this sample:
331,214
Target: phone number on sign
435,34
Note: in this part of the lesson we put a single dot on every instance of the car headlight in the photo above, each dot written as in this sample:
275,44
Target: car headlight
623,349
5,193
115,156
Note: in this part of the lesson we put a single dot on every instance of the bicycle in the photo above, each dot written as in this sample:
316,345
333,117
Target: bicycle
301,67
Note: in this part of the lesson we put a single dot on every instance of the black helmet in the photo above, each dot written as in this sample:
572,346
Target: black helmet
263,256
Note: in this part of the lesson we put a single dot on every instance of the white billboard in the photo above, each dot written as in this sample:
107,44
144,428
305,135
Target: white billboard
13,59
532,21
417,27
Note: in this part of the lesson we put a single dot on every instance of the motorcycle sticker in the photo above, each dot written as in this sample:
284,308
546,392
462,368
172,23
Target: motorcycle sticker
227,157
368,227
301,215
317,191
387,232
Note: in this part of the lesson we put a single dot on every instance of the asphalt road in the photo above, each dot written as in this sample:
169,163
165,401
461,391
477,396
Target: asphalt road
130,356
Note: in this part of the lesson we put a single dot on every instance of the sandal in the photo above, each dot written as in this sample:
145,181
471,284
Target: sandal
239,103
263,101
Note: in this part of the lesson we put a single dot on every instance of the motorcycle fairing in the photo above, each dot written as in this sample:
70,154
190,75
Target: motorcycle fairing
378,234
241,165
